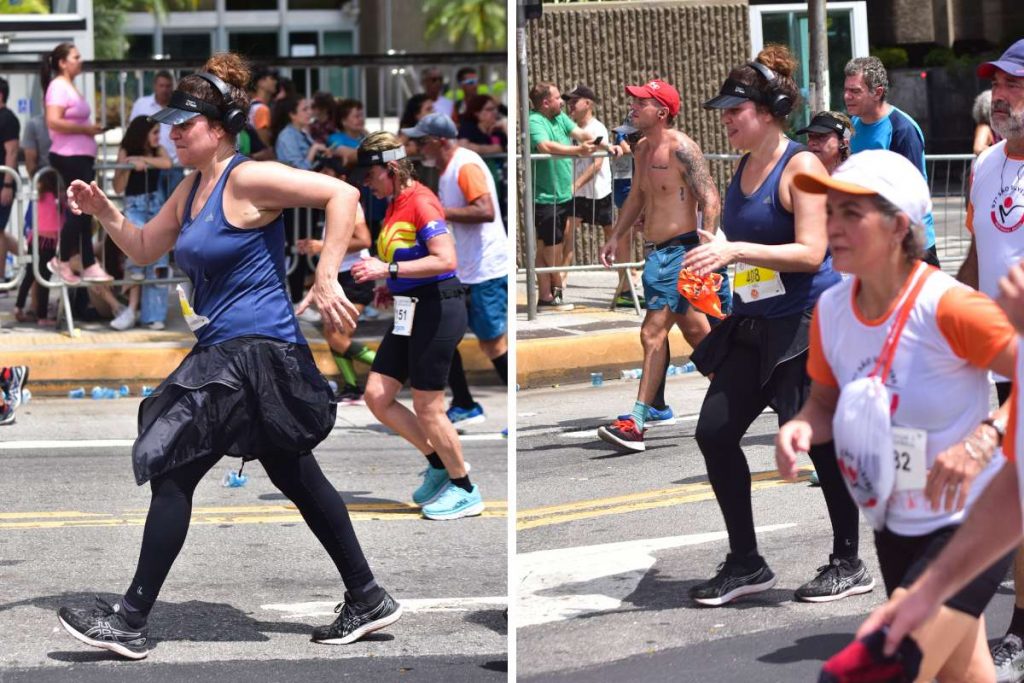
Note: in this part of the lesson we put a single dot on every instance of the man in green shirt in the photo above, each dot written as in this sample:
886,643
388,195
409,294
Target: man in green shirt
552,132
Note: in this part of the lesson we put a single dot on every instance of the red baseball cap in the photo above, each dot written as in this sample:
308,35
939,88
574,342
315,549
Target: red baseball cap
657,90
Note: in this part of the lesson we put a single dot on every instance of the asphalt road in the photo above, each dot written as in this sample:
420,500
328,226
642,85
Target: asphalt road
609,543
251,581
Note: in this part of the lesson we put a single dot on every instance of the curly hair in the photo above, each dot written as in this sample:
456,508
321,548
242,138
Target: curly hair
781,61
982,109
229,67
872,70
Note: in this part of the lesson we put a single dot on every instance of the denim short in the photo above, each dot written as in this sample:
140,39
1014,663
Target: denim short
488,308
661,276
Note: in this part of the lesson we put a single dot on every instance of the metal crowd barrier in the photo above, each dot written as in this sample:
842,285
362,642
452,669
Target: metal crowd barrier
948,178
17,211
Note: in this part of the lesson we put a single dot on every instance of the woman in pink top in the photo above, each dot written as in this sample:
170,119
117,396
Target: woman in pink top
72,154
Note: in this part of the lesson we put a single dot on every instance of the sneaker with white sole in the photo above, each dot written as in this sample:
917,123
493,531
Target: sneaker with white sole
434,482
838,579
623,433
125,320
356,620
1008,656
455,503
105,627
463,417
733,580
12,383
655,416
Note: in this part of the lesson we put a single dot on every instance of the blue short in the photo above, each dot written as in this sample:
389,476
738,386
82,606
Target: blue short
488,308
620,190
661,276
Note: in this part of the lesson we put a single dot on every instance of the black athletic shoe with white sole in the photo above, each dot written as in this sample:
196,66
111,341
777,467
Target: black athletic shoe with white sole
837,580
733,580
355,620
104,626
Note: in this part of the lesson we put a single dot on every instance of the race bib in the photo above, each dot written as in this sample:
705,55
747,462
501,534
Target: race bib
909,447
754,283
193,319
405,311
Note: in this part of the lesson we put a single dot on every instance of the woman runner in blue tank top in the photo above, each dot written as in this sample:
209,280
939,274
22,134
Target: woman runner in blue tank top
757,357
249,387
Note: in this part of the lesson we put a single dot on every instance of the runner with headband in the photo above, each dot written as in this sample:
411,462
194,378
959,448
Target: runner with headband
249,387
417,258
757,356
899,357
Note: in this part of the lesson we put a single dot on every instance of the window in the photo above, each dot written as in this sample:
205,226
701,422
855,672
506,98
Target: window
338,80
254,45
846,25
178,45
248,5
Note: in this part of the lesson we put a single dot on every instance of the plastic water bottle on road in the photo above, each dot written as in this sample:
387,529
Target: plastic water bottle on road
234,480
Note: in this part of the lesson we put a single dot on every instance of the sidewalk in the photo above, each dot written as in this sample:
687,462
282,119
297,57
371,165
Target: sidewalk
103,356
562,347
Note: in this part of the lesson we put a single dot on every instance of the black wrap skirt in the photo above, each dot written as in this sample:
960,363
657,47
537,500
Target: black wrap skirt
250,397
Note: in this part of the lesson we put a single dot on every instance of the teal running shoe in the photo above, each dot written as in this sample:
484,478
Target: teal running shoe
434,482
454,503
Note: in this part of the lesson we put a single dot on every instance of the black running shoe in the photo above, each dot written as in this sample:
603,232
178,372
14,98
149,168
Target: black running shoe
104,626
355,620
836,580
732,581
13,382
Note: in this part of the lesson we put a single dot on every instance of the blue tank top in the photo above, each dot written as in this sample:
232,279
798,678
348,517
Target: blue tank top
238,276
761,219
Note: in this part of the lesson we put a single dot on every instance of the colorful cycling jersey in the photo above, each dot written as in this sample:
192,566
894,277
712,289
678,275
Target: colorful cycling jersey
412,219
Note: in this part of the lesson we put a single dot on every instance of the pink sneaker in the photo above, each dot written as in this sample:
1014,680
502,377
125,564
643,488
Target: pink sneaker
95,273
63,270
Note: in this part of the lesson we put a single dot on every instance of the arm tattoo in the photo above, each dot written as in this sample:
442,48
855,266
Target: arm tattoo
697,176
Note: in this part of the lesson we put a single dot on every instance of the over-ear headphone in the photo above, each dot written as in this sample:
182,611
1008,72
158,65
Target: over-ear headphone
232,117
779,102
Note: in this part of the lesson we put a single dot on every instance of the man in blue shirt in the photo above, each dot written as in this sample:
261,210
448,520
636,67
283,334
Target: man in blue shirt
879,125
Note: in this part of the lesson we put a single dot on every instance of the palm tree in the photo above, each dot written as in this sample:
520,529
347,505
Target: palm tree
482,21
24,7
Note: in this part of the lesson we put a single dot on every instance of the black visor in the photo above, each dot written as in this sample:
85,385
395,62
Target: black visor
182,108
366,160
823,123
733,94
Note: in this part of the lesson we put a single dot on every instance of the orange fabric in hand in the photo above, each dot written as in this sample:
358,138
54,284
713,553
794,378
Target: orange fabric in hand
701,292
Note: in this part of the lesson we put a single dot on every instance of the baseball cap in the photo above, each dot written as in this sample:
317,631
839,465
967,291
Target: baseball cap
876,171
627,127
435,125
184,107
825,123
862,661
365,160
1011,61
732,94
658,90
581,92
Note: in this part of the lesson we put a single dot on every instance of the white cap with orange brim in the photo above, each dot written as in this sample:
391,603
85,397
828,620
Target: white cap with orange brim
876,172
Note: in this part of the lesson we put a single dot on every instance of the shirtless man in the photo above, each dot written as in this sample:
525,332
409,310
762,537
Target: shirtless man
671,184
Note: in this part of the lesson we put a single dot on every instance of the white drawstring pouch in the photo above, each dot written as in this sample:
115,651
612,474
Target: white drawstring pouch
862,430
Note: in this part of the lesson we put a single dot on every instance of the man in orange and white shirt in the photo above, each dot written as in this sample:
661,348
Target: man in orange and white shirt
470,200
995,218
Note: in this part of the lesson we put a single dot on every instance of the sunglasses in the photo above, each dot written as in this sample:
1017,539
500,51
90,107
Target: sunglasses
469,81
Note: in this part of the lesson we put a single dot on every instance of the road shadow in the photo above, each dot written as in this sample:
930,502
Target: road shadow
816,648
350,498
493,619
660,591
190,621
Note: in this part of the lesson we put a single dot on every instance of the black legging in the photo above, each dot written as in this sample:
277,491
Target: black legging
76,233
733,402
47,250
299,478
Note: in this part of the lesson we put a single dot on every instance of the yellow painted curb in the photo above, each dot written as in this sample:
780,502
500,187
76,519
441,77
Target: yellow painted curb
541,362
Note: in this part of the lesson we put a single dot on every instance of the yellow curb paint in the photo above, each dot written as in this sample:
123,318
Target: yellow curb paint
647,500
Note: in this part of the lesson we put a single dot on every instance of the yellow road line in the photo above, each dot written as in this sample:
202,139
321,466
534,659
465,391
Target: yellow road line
253,514
644,500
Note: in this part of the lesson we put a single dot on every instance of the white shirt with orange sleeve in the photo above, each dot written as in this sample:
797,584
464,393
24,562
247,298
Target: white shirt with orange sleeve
939,378
480,247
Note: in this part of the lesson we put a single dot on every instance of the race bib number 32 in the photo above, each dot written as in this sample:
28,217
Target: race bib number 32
405,311
909,448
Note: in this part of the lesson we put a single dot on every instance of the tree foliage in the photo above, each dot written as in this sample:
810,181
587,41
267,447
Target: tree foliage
484,22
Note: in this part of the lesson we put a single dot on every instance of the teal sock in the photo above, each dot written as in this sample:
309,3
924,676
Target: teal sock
639,414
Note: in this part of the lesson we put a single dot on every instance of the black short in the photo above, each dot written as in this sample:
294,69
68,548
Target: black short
549,222
593,211
904,558
357,292
438,326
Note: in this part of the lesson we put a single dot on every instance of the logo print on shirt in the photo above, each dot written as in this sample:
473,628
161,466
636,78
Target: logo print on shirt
1007,211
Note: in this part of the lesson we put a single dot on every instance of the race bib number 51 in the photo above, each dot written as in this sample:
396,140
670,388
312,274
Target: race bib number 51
405,311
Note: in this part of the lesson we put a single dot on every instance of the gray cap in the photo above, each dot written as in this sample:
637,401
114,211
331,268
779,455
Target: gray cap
435,125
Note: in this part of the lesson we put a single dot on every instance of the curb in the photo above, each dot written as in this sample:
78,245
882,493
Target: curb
60,365
561,360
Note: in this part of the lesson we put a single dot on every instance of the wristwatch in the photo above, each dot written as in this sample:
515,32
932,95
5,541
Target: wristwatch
393,270
997,424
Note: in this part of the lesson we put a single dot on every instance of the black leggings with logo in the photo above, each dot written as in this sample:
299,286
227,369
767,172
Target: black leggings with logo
299,478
